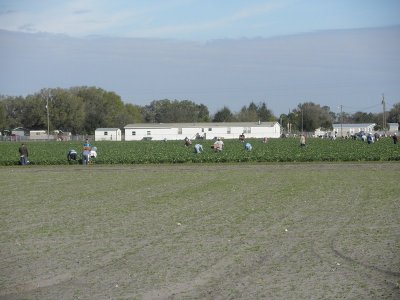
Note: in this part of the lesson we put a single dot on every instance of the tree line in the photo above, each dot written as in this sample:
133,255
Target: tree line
80,110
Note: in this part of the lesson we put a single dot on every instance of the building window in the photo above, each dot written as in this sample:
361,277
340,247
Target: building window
105,133
148,132
179,130
133,132
202,130
228,130
209,129
247,130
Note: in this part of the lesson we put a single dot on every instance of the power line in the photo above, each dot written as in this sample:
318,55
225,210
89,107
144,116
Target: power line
361,108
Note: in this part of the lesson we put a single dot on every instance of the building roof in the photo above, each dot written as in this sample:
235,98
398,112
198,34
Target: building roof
20,129
354,125
107,129
203,124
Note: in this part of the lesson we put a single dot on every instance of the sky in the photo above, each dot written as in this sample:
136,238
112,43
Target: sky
217,53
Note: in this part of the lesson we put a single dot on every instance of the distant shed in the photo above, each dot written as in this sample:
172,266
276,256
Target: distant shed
38,134
20,131
107,134
393,127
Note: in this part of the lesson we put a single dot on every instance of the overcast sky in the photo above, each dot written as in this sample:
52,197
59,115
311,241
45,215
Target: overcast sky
218,53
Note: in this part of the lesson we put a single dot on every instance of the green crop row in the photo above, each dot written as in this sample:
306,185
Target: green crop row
156,152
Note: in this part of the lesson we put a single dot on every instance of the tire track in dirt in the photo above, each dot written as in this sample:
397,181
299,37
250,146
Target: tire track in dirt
14,291
224,265
68,278
109,262
327,251
365,265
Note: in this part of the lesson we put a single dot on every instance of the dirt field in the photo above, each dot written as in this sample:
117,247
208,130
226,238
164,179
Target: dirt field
240,231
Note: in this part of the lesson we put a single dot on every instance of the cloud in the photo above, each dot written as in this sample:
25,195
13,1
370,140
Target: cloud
327,67
252,11
82,11
28,28
196,28
129,19
7,12
190,19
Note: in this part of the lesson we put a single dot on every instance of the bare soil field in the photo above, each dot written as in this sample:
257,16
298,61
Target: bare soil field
197,231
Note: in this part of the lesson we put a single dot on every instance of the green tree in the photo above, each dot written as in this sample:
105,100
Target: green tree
132,114
167,111
3,117
363,117
394,114
66,111
310,116
248,114
102,108
203,114
34,113
255,113
265,114
14,108
284,121
224,115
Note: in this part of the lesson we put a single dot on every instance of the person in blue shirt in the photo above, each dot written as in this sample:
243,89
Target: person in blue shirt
198,148
248,147
86,152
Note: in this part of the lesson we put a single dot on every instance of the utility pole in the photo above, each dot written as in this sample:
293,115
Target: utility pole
48,118
383,116
341,120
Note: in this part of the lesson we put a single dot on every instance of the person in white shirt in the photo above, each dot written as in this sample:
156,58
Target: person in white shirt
218,145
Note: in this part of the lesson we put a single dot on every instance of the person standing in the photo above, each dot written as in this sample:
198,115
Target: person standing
302,140
394,137
23,152
86,152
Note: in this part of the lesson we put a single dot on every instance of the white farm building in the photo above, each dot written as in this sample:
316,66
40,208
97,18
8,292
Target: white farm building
209,131
393,127
351,129
107,134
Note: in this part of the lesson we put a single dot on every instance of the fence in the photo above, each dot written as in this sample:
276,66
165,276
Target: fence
44,138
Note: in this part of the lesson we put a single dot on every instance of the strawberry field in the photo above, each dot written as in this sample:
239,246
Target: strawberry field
159,152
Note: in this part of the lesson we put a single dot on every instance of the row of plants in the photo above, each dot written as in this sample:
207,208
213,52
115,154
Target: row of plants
157,152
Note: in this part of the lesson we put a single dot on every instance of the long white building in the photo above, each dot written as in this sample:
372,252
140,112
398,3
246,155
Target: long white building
209,131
